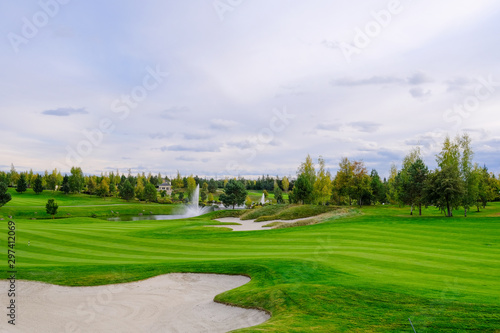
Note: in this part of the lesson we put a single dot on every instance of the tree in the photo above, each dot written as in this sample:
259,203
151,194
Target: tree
210,197
302,190
139,189
444,189
4,195
449,184
191,187
360,182
469,177
150,193
14,176
392,188
127,191
51,207
322,187
102,190
212,186
417,174
377,188
344,180
177,182
37,184
76,180
285,183
307,169
484,188
22,185
65,187
278,194
234,193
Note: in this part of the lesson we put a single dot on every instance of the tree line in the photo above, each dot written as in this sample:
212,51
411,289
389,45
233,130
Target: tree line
456,182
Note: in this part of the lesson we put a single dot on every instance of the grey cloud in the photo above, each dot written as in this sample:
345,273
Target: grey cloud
365,126
459,84
186,159
174,112
329,127
419,78
222,124
64,112
160,135
420,93
197,149
374,80
197,136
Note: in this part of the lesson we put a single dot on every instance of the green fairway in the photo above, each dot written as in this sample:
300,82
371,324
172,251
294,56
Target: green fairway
368,272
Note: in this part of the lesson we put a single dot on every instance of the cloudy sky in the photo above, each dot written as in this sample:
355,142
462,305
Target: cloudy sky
235,87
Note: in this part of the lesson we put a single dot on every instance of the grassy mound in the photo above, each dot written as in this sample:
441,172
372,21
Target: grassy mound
292,212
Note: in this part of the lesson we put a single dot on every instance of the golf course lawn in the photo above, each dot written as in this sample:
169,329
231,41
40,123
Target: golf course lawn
366,272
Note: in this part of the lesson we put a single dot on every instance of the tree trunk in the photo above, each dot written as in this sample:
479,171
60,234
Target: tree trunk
449,210
465,212
411,210
420,209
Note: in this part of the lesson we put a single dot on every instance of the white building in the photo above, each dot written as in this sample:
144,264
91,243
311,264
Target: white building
165,187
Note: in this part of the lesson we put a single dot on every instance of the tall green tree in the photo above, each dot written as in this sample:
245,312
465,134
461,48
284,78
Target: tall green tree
469,177
150,193
13,175
4,194
76,180
102,190
278,194
51,207
444,189
302,190
22,185
307,169
322,187
65,187
234,193
449,178
377,188
360,182
127,191
285,183
37,184
344,180
417,174
191,187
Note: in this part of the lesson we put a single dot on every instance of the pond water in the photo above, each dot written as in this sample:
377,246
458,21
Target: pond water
146,217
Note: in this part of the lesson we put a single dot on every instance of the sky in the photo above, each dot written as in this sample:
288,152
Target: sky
236,87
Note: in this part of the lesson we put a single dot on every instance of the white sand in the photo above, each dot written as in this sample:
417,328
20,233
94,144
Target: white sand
249,225
166,303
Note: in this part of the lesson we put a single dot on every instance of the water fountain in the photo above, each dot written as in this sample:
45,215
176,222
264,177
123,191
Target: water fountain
194,208
263,199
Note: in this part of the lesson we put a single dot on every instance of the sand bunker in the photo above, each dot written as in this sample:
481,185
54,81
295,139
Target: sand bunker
249,225
166,303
